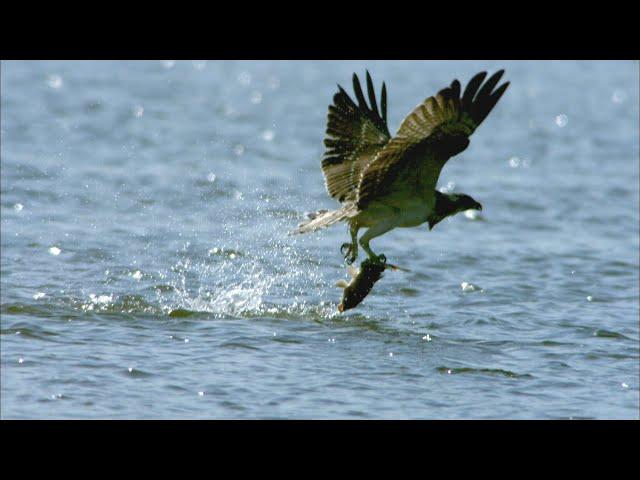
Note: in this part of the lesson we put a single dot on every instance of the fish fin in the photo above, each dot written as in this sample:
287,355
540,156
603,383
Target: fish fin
342,284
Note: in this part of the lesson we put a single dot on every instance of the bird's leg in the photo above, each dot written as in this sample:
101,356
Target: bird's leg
375,231
351,252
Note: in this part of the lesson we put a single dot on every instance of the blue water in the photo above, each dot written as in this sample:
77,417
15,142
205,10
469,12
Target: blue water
147,273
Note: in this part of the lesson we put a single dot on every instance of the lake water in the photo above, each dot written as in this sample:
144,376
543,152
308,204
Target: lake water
147,271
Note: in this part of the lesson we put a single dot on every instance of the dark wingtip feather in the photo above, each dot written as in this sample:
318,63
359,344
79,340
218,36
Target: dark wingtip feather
489,85
498,75
486,104
472,88
342,97
372,95
445,92
500,91
383,102
358,91
455,88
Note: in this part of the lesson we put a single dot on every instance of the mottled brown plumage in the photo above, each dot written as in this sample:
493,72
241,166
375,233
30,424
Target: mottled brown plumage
385,182
355,133
434,131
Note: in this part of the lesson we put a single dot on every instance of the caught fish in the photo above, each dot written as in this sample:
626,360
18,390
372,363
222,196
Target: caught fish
362,281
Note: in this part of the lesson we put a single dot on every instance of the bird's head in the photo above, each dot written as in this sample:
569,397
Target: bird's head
466,202
448,204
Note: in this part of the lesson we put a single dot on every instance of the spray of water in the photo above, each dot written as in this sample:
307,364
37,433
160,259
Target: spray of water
251,269
273,275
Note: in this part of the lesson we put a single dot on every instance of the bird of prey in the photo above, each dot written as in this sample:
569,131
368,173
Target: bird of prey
386,182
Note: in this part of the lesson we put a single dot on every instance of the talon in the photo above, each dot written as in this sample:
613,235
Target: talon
347,251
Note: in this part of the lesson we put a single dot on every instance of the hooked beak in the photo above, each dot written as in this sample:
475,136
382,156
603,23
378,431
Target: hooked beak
477,206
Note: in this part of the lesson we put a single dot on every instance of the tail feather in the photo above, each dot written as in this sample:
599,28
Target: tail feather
324,218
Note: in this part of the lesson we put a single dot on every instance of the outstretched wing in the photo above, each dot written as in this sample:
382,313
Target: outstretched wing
355,133
436,130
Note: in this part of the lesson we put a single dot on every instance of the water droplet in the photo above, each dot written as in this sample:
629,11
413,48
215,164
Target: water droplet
237,195
514,162
427,338
54,251
562,120
138,111
624,385
274,82
186,340
137,275
18,207
21,360
391,354
619,96
130,369
238,149
268,135
244,78
200,394
211,177
448,188
589,298
38,296
256,97
54,81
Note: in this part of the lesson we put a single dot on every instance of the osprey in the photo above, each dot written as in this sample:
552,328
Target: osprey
384,182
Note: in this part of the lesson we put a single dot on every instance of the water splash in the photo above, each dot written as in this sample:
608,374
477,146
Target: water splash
246,286
270,276
251,269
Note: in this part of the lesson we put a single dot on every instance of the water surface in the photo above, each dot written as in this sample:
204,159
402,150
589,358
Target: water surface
146,271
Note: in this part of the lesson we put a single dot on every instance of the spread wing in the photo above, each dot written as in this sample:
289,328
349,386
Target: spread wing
436,130
355,133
